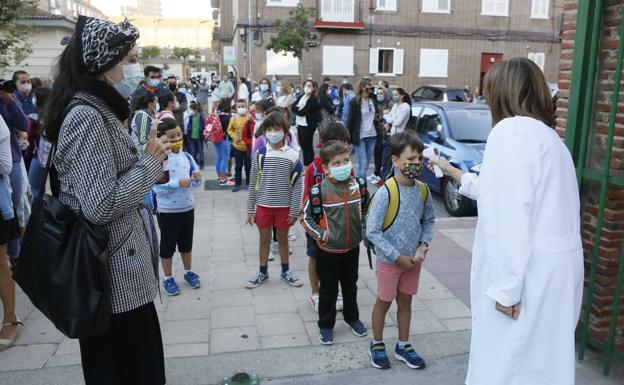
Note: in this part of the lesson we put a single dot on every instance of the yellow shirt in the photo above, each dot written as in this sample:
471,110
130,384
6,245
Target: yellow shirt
235,129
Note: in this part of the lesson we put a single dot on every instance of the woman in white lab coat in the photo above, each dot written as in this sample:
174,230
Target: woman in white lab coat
527,265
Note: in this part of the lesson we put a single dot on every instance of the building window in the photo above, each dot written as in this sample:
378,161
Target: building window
539,9
433,63
280,64
282,3
436,6
538,58
338,60
386,61
495,7
387,5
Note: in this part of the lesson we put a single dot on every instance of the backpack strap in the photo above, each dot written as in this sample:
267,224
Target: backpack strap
295,173
261,155
363,194
424,195
394,202
316,203
191,160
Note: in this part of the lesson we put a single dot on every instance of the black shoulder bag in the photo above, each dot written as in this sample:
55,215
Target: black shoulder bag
63,266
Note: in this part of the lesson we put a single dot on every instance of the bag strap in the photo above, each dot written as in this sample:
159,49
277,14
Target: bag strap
394,202
260,155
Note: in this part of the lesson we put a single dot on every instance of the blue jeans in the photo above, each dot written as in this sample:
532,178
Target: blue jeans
196,149
16,196
365,151
34,177
222,156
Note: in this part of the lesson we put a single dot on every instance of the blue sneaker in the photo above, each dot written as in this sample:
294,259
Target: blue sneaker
358,328
326,336
236,188
171,287
192,279
409,356
378,356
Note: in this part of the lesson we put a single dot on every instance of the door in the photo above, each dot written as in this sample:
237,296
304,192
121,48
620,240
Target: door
487,61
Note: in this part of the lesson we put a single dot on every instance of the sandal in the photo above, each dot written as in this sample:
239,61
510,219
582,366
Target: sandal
7,343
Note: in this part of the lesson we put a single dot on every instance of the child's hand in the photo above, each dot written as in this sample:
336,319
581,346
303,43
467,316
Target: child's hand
421,253
405,263
291,220
197,176
186,182
236,138
251,219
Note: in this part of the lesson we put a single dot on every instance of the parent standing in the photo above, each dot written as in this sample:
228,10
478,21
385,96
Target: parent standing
527,265
306,109
362,124
102,175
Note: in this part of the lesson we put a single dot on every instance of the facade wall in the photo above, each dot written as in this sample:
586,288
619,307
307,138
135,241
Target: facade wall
465,33
613,226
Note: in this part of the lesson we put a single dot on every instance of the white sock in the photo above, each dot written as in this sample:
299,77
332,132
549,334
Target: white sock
401,344
375,342
187,271
166,278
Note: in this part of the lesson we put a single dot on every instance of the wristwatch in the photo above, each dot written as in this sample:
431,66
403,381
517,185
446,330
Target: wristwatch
424,243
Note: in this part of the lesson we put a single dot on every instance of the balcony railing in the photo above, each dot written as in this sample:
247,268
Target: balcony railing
346,14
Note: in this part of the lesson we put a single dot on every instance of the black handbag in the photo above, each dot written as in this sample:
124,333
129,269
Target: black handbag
63,267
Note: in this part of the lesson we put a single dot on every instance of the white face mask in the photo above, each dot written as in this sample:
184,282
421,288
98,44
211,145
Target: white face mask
130,82
274,137
25,88
157,107
241,111
259,117
308,90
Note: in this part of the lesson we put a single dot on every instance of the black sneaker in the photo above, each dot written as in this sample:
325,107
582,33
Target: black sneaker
256,280
358,328
326,336
378,356
409,356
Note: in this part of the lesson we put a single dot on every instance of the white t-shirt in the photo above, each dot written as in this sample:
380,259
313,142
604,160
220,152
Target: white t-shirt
367,129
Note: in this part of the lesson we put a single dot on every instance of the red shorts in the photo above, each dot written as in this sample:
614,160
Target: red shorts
391,281
272,216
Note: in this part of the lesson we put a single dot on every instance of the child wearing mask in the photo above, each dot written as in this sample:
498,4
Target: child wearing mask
167,103
193,132
333,217
241,131
176,208
401,248
274,198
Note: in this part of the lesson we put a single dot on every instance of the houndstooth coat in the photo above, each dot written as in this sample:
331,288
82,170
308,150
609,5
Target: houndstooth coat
101,174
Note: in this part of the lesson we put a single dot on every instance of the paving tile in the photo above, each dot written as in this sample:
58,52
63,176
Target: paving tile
456,324
231,297
180,308
279,324
424,322
233,316
436,266
26,357
64,360
455,280
285,341
68,346
448,308
433,291
185,332
186,350
283,303
228,281
234,339
39,331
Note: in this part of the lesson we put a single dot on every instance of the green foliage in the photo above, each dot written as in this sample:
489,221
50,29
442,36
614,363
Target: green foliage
294,33
15,39
149,52
184,53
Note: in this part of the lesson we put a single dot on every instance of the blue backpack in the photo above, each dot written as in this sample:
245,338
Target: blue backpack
150,199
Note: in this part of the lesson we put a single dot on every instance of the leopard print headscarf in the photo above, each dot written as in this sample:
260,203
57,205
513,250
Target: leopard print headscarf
104,43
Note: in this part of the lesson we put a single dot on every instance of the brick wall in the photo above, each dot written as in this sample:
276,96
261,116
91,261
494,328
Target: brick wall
613,227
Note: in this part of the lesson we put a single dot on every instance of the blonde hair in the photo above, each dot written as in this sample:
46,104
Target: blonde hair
517,87
363,82
285,88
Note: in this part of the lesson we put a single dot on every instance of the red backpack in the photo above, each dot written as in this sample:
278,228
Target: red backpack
213,131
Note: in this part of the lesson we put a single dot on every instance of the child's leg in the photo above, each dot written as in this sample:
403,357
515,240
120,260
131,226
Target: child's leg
247,164
200,152
349,263
379,316
168,239
404,315
239,157
311,252
388,276
265,245
185,240
327,268
282,239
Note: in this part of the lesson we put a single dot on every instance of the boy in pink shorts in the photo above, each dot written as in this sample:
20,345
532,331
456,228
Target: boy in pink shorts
400,248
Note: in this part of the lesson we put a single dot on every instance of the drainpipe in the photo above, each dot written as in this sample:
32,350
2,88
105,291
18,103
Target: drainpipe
371,11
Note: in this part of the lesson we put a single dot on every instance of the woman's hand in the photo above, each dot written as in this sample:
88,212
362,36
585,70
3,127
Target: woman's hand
510,311
447,168
291,220
251,218
157,147
6,97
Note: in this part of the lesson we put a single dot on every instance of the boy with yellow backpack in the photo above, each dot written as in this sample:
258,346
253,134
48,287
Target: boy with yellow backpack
400,238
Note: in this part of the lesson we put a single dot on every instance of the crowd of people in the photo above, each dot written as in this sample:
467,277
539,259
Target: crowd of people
126,143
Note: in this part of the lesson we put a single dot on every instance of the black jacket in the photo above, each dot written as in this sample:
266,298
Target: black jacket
355,119
311,111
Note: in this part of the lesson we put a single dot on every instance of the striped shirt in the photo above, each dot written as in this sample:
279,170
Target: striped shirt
271,186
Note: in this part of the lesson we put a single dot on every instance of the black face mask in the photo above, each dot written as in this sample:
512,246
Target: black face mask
172,87
371,92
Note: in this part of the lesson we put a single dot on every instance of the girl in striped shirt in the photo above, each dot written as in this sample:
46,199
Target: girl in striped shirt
274,195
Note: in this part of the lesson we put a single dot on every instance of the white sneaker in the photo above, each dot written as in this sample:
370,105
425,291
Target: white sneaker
314,301
291,236
371,178
274,251
339,303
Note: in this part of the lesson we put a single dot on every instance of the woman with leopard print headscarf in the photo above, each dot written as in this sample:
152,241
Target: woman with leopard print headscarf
102,175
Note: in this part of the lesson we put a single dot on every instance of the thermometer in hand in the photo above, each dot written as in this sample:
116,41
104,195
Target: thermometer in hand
431,153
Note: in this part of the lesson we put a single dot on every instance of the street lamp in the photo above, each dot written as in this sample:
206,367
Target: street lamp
197,31
157,21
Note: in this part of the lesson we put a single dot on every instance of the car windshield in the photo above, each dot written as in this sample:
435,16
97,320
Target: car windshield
455,95
469,126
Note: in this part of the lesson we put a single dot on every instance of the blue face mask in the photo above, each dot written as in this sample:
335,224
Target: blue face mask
264,87
274,137
395,99
341,173
154,82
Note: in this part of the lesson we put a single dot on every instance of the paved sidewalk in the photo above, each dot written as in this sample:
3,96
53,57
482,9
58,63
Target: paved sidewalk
222,327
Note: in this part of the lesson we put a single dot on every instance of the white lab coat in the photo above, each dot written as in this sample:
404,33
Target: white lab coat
528,250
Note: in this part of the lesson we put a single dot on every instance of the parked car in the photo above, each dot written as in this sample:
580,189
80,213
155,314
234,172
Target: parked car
439,94
459,131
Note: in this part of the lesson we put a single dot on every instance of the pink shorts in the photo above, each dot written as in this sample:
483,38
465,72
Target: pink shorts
391,280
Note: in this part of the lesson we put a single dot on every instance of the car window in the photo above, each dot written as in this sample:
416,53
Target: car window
469,126
416,110
431,94
418,93
429,121
455,95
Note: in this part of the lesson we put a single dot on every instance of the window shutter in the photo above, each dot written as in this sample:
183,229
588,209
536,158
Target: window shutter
374,61
338,60
398,62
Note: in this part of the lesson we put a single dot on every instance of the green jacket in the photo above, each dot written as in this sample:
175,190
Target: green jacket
340,228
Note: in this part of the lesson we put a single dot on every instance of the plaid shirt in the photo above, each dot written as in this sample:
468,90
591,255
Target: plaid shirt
101,175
